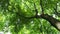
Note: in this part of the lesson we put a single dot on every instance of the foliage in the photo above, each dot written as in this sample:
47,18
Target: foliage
13,15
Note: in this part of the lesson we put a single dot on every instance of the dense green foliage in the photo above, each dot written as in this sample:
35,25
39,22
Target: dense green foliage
13,15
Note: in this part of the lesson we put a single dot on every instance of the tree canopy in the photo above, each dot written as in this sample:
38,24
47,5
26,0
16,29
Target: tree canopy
26,16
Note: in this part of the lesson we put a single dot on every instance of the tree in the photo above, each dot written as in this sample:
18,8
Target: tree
29,17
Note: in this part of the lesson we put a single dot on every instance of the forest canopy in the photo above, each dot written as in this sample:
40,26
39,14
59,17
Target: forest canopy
30,16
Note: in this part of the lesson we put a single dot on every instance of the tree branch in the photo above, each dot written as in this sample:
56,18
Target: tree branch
53,21
41,7
36,9
36,15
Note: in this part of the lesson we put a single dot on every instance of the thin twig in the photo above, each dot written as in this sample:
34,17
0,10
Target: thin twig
55,8
41,7
36,9
36,15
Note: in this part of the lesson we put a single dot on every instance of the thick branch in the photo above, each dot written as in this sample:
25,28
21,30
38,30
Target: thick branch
54,22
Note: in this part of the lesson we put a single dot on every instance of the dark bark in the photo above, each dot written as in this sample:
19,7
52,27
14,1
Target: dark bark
54,22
